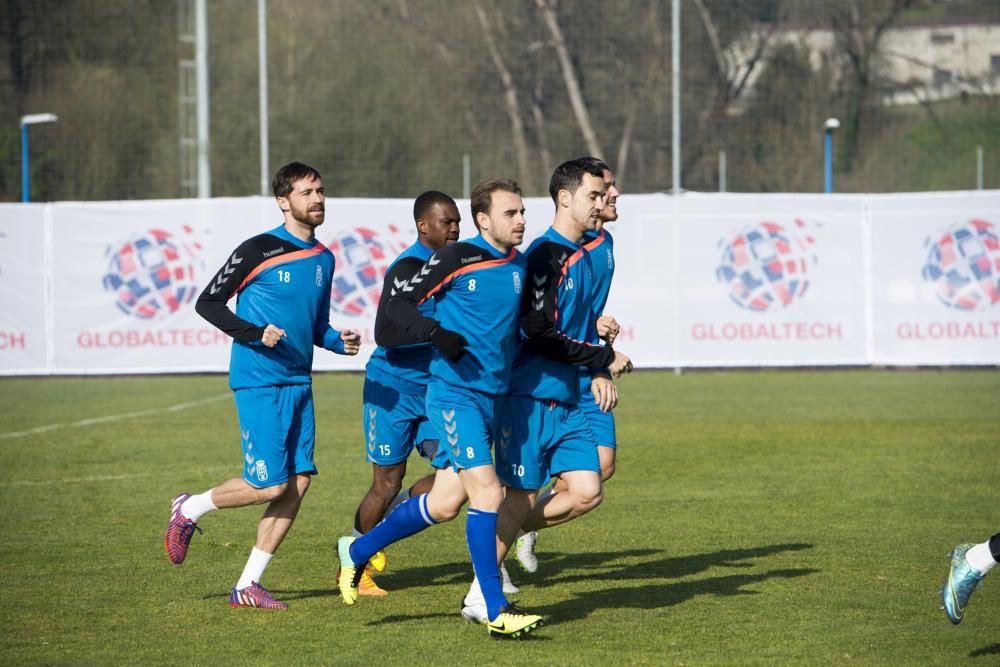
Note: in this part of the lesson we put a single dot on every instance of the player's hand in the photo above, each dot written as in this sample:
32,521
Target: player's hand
620,366
272,335
352,341
451,343
608,328
605,392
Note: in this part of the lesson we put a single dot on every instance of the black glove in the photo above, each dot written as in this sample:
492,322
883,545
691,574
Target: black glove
451,343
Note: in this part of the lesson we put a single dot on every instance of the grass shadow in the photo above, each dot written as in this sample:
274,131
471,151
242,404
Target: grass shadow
986,650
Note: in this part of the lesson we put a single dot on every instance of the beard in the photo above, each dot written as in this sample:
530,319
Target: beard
304,216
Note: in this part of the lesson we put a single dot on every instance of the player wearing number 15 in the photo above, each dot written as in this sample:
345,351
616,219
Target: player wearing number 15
282,279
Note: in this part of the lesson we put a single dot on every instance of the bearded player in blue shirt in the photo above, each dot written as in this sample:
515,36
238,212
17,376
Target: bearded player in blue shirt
477,286
282,279
599,245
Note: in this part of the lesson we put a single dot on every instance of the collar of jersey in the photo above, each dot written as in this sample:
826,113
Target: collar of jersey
485,245
559,238
284,235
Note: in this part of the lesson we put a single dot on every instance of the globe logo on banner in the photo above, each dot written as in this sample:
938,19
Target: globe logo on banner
153,274
964,265
766,266
362,258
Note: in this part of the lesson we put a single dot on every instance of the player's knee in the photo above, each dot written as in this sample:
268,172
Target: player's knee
302,483
588,496
607,470
269,493
388,481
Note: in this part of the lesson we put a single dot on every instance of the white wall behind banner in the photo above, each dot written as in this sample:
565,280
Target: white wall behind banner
701,280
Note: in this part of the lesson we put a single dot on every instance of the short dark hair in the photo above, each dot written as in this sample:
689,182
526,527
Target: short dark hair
425,201
569,175
285,177
482,195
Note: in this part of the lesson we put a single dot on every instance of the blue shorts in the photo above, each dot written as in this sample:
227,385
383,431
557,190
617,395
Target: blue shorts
601,423
539,439
278,432
393,423
462,421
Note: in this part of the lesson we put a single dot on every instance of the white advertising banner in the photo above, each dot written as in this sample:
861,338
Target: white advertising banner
700,279
776,280
126,276
22,288
936,278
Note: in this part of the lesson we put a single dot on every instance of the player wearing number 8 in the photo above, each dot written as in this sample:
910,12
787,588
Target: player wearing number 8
476,286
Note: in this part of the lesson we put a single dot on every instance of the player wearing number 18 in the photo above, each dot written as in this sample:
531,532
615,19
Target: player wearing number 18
282,282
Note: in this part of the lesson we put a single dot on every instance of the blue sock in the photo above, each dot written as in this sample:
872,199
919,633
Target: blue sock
409,518
481,534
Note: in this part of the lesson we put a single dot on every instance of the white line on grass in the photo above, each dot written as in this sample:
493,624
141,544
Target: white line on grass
100,478
111,418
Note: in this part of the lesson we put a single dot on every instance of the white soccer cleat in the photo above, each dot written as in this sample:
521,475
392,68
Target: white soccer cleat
508,586
524,549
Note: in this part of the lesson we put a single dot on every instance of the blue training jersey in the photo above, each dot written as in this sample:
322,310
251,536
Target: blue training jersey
280,280
477,292
405,368
600,246
557,318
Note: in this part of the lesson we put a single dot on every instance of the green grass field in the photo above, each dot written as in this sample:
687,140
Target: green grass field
756,517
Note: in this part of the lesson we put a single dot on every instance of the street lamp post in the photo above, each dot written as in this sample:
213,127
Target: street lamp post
30,119
829,126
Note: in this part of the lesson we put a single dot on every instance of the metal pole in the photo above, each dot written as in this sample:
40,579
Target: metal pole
722,171
675,76
25,171
262,74
201,68
828,161
466,175
979,167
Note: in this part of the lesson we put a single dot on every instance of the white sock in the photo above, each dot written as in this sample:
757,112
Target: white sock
197,506
475,594
356,533
400,497
980,558
254,570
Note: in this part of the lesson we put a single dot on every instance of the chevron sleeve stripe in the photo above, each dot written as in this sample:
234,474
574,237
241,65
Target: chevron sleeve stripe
211,304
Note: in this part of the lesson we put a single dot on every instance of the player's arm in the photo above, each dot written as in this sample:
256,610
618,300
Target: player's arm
396,278
539,314
211,305
403,324
341,342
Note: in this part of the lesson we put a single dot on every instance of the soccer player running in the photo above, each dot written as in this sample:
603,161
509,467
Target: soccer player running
969,564
543,431
396,378
476,285
283,280
600,246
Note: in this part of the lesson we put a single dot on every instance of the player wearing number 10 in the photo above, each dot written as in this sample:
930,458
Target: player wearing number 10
282,279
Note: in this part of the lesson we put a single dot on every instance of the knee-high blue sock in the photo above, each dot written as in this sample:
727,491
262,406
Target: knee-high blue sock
409,518
481,534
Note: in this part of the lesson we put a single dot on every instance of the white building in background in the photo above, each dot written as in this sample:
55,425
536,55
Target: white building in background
920,64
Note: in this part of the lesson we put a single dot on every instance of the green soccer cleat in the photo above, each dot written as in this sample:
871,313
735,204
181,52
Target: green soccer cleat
962,580
350,574
512,623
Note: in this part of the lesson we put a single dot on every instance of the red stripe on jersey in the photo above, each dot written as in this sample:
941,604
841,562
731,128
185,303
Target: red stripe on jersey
280,259
468,269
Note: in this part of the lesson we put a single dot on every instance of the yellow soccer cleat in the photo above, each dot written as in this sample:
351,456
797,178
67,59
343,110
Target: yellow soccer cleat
367,586
347,578
378,561
512,623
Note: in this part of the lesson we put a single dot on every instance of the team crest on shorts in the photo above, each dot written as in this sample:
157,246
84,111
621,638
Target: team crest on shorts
261,470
